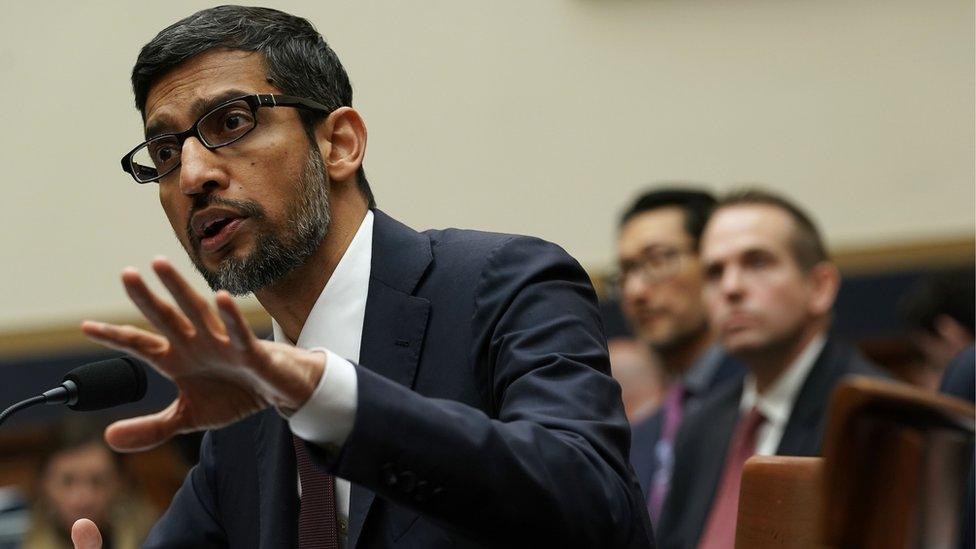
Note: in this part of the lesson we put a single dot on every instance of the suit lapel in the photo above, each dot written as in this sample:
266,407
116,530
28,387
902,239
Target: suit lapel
715,436
395,322
803,432
277,482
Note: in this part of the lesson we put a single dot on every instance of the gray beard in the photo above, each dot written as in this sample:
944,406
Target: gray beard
278,250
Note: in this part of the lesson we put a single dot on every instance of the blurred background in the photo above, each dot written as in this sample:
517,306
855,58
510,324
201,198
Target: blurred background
543,118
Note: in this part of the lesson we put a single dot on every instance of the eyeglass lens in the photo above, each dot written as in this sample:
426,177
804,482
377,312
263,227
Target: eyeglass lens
219,127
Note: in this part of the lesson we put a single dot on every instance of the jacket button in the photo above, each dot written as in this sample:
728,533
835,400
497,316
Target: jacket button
388,475
407,481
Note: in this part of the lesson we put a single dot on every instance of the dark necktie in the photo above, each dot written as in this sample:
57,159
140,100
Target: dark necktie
317,524
720,528
672,410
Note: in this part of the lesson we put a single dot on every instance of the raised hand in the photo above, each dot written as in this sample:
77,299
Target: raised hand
85,535
222,371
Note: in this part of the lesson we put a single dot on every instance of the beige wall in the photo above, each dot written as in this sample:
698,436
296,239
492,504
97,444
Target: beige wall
533,116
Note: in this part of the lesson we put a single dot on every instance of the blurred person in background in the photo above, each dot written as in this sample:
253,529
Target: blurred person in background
939,314
770,288
80,477
639,373
632,363
660,289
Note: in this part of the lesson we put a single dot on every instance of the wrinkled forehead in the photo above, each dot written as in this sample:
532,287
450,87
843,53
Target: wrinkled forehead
188,90
736,229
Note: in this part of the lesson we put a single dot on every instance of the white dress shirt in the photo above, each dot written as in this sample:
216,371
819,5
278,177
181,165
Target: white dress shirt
335,327
776,404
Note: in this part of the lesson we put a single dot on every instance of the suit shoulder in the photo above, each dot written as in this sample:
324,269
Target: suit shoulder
503,255
471,242
851,361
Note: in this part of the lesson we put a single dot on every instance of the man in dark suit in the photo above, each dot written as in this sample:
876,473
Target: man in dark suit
660,289
960,381
446,388
769,287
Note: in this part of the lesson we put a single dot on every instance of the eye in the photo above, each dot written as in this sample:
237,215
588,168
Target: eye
163,152
713,272
233,122
227,124
757,260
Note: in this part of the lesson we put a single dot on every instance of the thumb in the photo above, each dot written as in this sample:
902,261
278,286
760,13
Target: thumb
85,535
145,432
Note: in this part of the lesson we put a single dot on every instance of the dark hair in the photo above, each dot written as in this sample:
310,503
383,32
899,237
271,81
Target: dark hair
950,293
806,243
73,433
299,61
696,204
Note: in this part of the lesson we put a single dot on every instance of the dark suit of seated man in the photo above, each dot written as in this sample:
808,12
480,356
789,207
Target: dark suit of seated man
769,287
446,388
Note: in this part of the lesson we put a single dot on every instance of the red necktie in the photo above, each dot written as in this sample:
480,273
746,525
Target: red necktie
317,524
720,527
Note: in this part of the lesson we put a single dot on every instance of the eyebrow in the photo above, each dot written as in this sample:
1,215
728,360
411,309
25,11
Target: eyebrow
198,107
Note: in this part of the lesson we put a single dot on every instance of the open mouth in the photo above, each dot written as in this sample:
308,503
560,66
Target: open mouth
212,228
215,229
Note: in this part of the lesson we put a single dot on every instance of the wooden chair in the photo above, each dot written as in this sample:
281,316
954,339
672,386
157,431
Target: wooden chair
896,460
779,503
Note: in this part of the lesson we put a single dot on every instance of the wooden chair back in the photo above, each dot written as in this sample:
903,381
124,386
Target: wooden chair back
779,503
896,460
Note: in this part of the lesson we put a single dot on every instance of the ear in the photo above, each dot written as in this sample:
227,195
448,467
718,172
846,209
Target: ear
824,284
342,141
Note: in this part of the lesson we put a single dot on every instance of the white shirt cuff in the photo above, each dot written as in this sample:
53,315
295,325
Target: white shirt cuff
328,416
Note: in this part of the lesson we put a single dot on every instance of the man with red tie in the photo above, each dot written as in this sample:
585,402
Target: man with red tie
769,287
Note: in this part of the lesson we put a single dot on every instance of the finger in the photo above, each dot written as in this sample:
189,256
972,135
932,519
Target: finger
193,304
166,318
85,535
144,344
238,330
144,432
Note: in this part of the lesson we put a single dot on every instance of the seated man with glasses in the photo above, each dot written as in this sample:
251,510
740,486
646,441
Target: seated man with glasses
660,285
444,388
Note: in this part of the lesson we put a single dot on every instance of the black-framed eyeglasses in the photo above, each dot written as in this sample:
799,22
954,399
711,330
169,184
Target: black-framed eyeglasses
655,264
219,127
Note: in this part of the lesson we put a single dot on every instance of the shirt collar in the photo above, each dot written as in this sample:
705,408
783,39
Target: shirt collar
777,404
342,302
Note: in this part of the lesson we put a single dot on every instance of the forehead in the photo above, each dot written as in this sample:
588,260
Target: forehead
661,226
89,456
180,92
739,228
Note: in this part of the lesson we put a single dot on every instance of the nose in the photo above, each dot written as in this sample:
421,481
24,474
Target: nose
732,284
200,170
633,287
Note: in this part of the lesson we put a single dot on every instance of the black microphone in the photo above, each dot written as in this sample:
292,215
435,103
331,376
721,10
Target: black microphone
93,386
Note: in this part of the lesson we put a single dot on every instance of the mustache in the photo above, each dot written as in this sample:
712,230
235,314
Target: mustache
247,208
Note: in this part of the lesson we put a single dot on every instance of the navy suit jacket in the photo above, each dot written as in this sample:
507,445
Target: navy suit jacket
486,415
646,433
960,381
704,437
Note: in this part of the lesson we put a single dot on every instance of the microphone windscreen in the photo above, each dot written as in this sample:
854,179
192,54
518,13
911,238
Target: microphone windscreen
108,383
